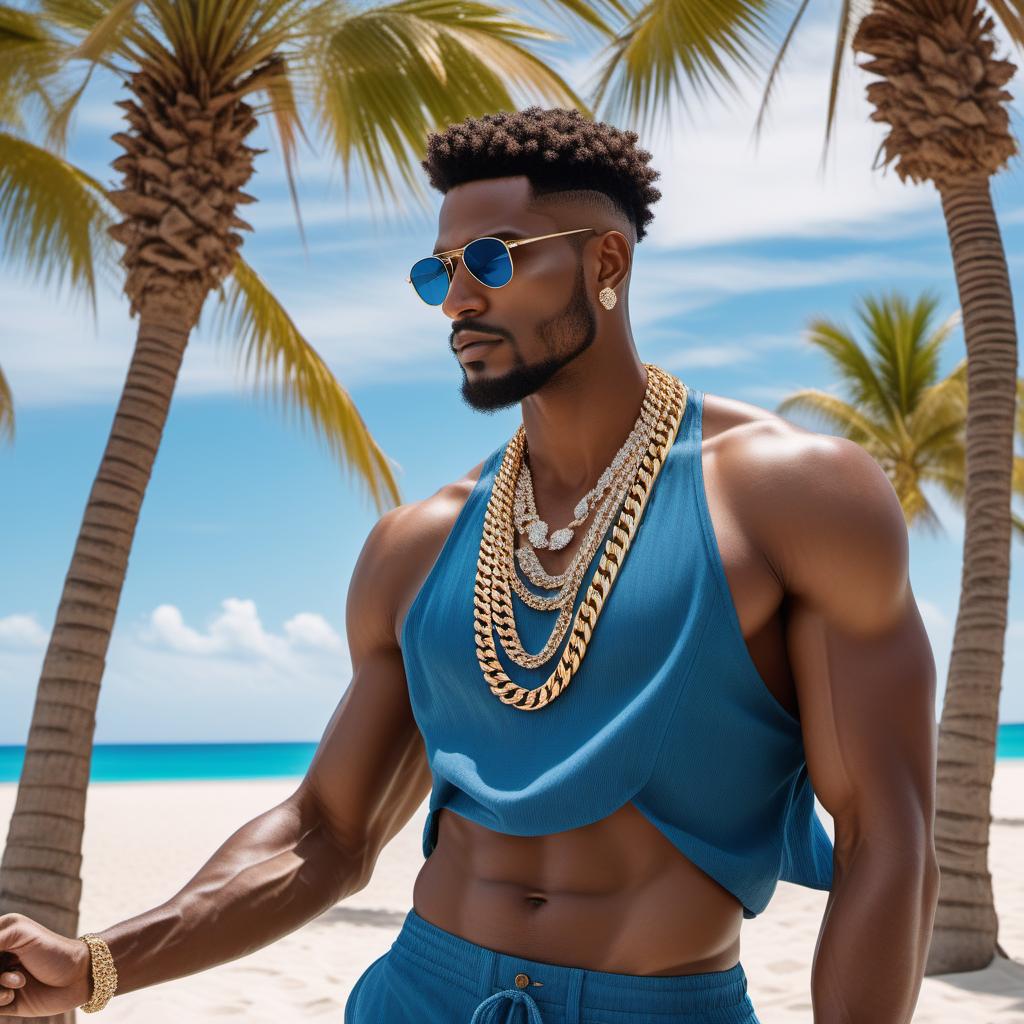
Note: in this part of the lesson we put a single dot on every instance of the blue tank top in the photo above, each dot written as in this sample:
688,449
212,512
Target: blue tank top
666,710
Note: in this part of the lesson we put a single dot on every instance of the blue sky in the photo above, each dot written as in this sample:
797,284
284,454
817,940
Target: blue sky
231,622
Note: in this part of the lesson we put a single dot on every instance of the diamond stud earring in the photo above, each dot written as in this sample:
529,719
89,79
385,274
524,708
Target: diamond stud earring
607,297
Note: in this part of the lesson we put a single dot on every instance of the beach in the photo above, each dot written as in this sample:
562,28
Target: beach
144,840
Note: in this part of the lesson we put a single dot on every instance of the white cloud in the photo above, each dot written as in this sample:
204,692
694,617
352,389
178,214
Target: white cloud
229,680
717,187
310,630
237,631
20,632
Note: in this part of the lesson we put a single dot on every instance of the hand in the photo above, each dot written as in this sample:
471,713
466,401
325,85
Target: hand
41,972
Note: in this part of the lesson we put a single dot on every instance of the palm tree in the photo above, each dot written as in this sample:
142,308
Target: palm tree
896,406
373,80
941,94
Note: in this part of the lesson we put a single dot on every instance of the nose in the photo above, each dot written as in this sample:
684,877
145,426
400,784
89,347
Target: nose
465,296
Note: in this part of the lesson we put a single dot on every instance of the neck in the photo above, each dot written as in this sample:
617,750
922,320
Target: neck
582,416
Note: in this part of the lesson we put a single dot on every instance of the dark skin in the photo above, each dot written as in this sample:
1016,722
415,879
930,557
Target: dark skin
815,552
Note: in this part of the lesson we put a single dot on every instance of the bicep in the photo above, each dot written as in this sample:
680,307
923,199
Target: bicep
369,772
860,655
867,710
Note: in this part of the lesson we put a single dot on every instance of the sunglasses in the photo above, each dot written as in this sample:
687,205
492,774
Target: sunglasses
488,259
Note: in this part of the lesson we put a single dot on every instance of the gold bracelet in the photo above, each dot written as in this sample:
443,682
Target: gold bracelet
104,974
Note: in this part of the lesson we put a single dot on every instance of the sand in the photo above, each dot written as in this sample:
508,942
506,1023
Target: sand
143,841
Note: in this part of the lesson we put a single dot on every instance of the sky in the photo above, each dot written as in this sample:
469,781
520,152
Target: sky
231,621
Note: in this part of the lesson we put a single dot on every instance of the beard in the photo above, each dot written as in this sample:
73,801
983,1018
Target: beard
564,336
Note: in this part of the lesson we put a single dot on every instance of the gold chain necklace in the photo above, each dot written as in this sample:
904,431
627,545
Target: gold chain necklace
492,601
602,510
564,600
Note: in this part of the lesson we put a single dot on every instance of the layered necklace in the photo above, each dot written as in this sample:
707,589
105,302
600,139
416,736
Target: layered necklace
511,509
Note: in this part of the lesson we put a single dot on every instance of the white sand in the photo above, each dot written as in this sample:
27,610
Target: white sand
143,841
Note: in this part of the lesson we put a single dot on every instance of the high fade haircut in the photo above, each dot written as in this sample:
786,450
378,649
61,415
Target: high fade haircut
558,149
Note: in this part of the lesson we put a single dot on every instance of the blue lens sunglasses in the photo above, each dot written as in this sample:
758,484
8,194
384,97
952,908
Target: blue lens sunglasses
488,259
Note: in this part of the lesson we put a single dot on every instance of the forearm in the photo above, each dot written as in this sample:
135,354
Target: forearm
269,878
873,944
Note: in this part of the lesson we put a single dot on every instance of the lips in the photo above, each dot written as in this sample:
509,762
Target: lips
471,349
468,338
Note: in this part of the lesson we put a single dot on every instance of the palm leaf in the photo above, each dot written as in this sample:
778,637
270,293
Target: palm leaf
592,15
80,16
30,57
383,77
853,365
840,415
906,350
912,424
1011,14
776,67
54,217
669,42
6,409
282,362
108,32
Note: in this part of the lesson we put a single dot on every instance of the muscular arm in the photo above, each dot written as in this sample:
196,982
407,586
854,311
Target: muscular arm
296,860
865,680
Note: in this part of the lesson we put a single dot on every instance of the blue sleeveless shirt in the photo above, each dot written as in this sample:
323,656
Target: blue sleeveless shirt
666,710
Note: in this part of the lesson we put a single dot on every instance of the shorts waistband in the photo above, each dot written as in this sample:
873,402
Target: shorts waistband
484,971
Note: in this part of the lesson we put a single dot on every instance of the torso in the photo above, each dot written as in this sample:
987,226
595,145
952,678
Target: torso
614,895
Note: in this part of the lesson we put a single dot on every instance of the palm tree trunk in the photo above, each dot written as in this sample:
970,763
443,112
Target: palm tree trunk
39,874
966,926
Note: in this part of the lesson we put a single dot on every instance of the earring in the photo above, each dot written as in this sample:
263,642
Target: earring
607,298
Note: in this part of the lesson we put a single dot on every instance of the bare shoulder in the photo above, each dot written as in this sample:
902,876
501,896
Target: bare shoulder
820,508
397,556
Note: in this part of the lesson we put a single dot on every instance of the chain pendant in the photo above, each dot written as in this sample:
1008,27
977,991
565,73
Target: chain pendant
492,595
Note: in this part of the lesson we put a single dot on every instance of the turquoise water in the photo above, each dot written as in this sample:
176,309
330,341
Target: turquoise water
138,762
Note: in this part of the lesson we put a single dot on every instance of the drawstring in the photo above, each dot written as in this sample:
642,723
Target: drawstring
484,1013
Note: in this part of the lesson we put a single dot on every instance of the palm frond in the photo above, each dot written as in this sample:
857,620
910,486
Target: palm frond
383,77
281,362
54,217
58,116
277,83
850,14
667,43
906,353
30,58
592,15
912,424
1011,14
950,480
1018,525
940,412
107,34
776,67
80,16
6,409
853,365
841,416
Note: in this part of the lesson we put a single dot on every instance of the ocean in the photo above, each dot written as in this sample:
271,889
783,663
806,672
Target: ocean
148,762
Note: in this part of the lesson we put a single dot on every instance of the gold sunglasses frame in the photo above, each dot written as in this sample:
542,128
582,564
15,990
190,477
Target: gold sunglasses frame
446,257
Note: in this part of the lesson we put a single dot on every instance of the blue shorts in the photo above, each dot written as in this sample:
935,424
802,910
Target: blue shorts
431,976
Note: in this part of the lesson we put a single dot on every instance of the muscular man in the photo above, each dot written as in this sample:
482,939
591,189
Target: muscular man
622,762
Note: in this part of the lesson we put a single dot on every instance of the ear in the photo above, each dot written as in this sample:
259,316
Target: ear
614,260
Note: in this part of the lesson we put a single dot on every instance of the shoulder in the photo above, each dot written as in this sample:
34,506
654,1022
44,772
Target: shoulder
819,507
398,553
403,530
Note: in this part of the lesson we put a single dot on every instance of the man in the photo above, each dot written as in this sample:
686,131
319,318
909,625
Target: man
615,788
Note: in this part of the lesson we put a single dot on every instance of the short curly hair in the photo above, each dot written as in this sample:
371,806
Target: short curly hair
558,149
